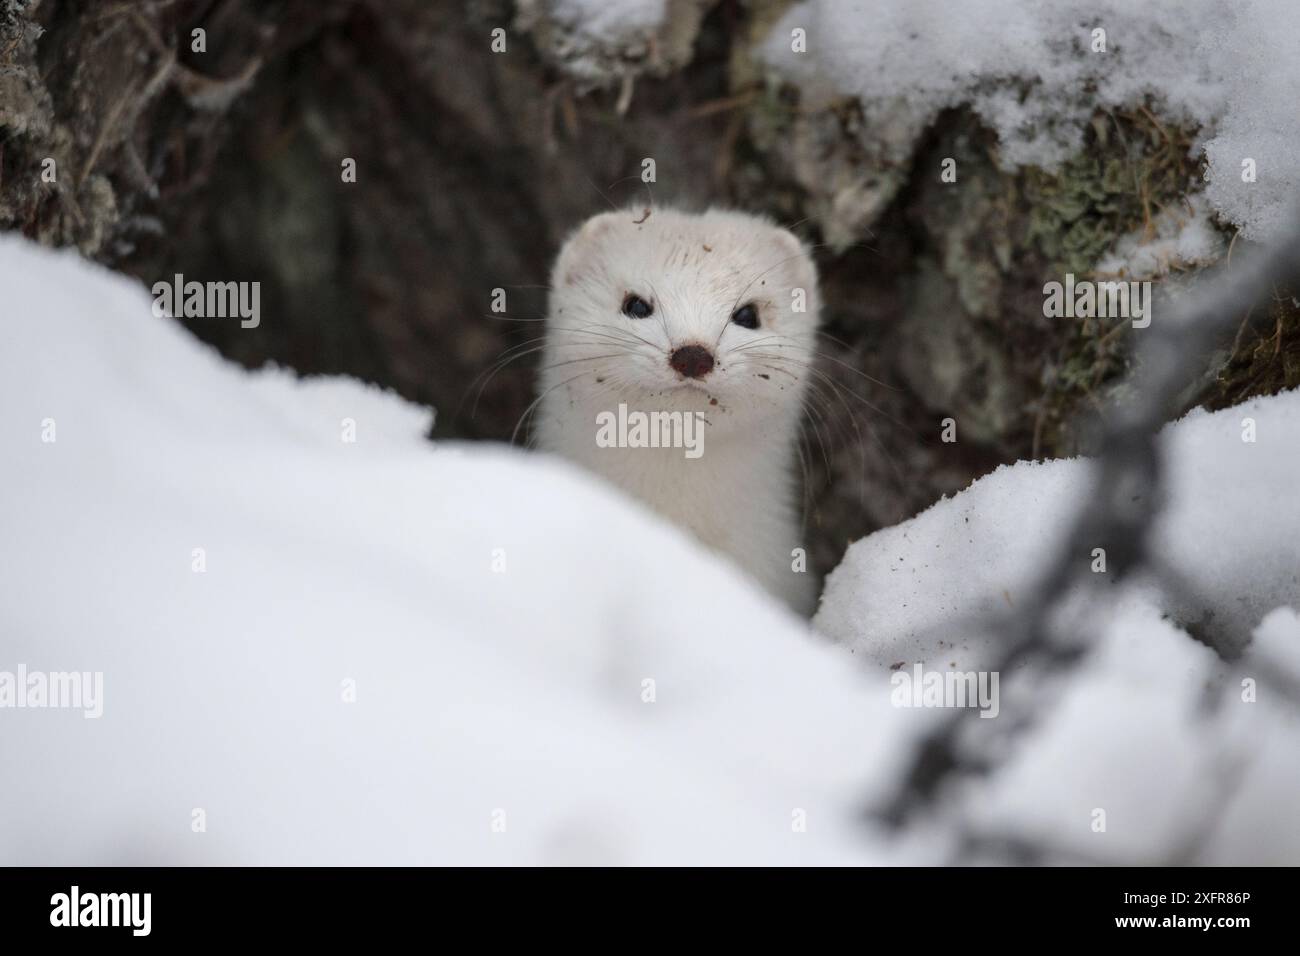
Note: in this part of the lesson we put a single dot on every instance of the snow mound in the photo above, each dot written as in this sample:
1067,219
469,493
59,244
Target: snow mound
1034,73
211,542
324,640
1230,531
1156,748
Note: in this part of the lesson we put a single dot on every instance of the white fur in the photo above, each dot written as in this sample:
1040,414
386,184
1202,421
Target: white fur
740,497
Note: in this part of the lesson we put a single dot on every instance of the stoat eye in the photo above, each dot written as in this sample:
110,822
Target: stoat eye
746,316
635,307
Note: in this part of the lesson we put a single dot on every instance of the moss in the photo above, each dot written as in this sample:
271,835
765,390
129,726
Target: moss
1130,168
1265,356
1121,194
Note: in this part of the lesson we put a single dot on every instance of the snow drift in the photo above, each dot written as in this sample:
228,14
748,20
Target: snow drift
322,650
496,616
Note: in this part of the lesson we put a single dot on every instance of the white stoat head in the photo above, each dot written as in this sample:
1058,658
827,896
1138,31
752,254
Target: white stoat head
669,310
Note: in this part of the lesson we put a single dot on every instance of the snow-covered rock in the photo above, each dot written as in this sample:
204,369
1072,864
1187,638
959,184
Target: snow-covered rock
1230,531
599,42
1036,71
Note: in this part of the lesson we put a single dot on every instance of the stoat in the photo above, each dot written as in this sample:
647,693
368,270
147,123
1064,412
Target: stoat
695,332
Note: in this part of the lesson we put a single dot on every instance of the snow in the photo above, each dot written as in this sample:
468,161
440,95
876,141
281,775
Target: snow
1030,72
595,40
485,696
1130,735
1275,642
1238,554
606,18
370,561
1123,738
1180,239
1155,733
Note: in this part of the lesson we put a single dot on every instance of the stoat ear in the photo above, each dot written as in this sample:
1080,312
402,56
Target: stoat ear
599,225
574,252
788,242
792,249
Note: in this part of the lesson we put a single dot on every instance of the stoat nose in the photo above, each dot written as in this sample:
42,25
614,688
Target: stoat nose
693,361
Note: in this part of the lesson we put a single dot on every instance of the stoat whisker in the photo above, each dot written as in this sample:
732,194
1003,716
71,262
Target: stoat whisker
805,485
521,348
743,363
520,318
592,183
519,345
801,445
814,387
753,342
818,390
813,370
859,444
900,482
838,391
620,182
498,363
808,423
628,345
857,431
613,383
506,355
837,341
534,403
627,335
519,351
815,416
813,413
660,311
502,317
584,358
821,355
790,226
